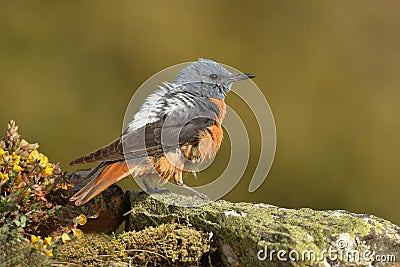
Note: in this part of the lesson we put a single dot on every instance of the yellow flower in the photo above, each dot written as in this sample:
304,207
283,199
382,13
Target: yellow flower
2,152
47,240
16,158
17,167
48,170
81,219
19,188
4,177
44,161
49,252
33,156
35,239
18,179
78,233
27,192
65,238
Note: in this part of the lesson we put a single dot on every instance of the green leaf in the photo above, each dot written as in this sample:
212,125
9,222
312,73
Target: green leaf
4,229
35,207
23,221
12,174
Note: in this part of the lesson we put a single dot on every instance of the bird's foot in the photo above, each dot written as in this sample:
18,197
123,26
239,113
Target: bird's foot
156,190
153,190
195,193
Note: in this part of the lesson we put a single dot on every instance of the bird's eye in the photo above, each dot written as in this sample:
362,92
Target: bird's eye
214,76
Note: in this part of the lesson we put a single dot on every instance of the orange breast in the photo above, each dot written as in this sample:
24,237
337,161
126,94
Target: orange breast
209,143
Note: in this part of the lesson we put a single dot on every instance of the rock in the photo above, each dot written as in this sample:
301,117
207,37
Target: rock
165,245
247,234
104,212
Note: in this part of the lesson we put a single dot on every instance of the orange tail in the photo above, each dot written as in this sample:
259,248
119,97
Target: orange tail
111,174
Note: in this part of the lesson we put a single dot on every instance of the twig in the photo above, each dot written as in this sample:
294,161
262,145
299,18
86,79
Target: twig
143,250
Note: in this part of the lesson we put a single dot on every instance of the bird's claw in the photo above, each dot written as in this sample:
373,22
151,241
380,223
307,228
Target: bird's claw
156,190
195,193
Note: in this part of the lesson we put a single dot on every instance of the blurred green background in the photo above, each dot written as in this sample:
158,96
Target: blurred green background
330,71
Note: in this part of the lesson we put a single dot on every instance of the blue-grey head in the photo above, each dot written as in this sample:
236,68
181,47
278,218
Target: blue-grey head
208,78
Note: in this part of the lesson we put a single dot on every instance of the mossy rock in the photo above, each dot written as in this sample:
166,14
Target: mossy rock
92,250
171,244
166,245
243,230
15,251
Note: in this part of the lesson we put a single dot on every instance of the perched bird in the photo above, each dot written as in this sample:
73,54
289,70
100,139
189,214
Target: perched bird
177,127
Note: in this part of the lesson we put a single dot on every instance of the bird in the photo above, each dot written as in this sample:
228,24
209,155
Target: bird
177,128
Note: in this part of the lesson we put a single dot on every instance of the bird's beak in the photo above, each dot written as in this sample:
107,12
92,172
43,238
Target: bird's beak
241,76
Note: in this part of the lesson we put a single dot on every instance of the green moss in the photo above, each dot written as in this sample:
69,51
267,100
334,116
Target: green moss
168,244
16,251
242,229
92,250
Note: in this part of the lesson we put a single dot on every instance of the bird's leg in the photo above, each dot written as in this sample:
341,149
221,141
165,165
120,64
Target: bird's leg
179,182
194,191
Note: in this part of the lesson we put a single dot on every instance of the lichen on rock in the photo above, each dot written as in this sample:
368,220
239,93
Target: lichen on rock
244,231
169,230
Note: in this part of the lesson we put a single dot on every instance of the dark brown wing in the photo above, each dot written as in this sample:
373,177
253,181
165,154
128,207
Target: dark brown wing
109,152
152,139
